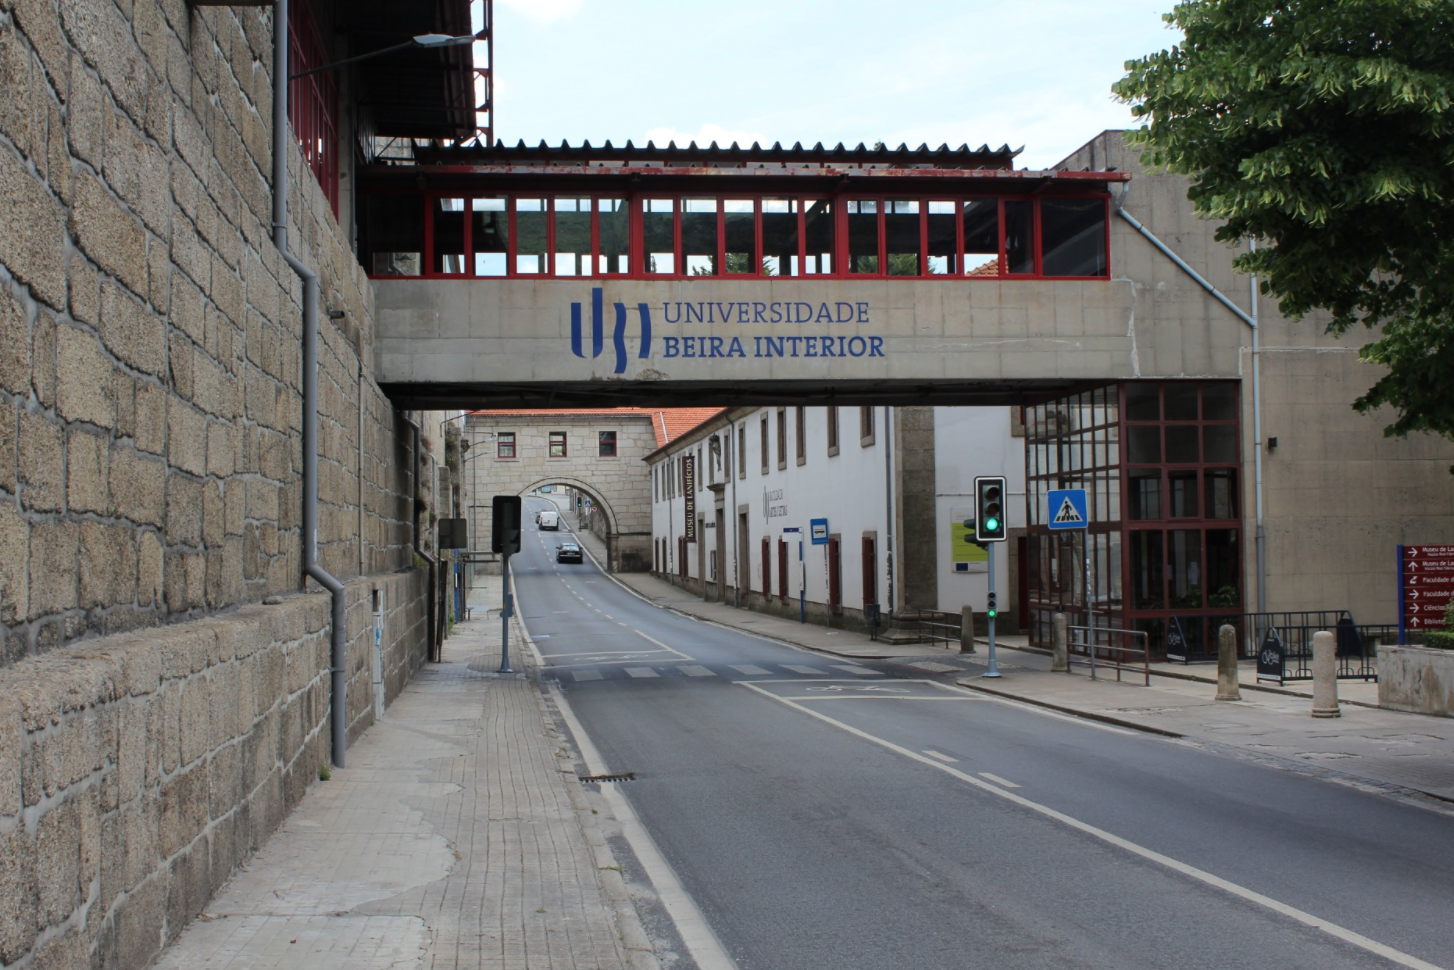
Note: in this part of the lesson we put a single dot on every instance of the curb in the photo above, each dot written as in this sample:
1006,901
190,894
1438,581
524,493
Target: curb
1280,691
1073,712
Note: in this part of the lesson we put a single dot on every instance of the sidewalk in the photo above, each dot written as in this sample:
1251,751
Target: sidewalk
1383,750
457,837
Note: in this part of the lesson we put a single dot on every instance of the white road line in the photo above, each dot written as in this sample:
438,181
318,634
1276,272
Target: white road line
804,669
855,669
695,670
605,653
751,670
663,646
706,950
1151,855
585,674
1003,782
941,756
641,672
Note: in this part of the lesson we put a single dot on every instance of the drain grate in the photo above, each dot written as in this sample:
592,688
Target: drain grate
628,776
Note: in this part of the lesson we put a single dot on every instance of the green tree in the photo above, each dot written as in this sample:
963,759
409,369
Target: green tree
1325,130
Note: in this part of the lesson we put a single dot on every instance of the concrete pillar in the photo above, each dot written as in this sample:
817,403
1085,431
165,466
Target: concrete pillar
1227,686
1059,643
966,629
1325,675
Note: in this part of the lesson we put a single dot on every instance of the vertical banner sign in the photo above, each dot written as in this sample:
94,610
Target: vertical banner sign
689,490
1426,585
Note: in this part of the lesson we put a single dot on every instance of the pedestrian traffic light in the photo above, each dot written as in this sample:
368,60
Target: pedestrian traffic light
505,525
990,609
989,509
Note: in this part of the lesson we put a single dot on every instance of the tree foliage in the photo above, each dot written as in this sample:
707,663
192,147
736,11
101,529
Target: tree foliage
1325,129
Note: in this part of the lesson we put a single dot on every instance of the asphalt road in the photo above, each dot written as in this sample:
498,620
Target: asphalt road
830,815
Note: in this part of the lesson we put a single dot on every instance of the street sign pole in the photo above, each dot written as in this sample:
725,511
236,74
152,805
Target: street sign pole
505,613
992,670
1403,613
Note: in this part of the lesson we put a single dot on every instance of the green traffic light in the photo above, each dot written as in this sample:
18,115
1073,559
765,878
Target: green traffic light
991,524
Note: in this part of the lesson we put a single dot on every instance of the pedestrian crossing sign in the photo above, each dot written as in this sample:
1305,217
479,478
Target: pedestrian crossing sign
1066,509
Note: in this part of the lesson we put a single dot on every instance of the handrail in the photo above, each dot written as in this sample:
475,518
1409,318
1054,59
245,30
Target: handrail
1093,654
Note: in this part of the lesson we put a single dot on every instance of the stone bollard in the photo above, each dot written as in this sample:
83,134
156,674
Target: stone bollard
1325,675
1227,686
966,629
1059,643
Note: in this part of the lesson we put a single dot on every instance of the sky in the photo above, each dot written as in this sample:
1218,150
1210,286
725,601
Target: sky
1032,75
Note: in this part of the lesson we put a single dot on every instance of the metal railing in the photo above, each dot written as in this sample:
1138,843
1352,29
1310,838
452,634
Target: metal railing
1109,648
931,626
1283,644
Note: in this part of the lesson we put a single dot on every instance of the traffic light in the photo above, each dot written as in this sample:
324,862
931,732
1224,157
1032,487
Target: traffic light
990,609
989,509
505,525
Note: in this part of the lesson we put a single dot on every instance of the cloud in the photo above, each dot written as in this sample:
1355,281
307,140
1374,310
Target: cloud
544,11
704,136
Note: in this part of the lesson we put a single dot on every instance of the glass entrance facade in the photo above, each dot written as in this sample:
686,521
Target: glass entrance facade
1159,461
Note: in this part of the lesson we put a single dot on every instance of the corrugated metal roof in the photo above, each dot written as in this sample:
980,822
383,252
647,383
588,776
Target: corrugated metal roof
734,155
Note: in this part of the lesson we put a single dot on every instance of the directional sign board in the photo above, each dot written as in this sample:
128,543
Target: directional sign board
1426,585
1066,509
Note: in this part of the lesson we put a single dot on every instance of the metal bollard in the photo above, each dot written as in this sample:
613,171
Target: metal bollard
966,629
1227,686
1325,675
1059,643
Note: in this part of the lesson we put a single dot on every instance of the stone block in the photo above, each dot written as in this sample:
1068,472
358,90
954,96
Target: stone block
186,437
108,564
53,567
140,922
150,570
138,486
9,437
88,472
33,245
189,887
110,235
14,344
83,378
12,736
150,403
183,809
42,463
132,332
19,888
184,510
103,35
58,863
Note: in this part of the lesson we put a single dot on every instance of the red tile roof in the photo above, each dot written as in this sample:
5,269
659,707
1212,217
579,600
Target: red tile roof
667,424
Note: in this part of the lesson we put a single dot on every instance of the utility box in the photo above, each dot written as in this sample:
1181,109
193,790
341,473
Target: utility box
453,534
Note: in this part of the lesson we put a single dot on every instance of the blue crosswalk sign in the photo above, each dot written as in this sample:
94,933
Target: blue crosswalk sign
1066,509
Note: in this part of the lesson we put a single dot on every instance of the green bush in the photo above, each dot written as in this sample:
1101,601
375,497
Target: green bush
1439,639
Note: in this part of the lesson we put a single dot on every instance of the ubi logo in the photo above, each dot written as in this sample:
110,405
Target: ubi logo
598,332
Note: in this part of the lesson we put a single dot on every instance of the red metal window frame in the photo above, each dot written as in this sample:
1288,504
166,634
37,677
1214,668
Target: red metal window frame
638,256
503,439
313,101
782,570
550,445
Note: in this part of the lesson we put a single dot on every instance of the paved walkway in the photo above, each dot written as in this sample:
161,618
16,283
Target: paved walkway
458,837
1383,750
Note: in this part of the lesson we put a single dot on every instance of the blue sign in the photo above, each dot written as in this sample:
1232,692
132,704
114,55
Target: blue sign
1066,509
820,531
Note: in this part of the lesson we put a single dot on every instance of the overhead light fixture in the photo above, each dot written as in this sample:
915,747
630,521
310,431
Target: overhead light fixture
426,41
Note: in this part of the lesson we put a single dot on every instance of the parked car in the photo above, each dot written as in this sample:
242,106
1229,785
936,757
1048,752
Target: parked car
569,552
549,521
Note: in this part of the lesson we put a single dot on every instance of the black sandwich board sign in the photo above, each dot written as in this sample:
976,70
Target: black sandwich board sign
1271,657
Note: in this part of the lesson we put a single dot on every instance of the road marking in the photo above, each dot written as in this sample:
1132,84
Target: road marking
641,672
695,670
998,780
663,646
941,756
855,669
751,670
585,674
804,669
605,653
696,933
862,690
1151,855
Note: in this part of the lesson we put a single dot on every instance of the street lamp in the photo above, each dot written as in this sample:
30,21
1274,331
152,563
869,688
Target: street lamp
425,41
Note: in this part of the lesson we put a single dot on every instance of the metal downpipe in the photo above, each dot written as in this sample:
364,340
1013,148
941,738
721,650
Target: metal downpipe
338,707
1251,321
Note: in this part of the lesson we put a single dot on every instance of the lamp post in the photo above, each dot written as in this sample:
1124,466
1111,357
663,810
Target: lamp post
423,41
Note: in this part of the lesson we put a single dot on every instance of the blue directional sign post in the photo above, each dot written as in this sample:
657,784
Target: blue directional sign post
1066,510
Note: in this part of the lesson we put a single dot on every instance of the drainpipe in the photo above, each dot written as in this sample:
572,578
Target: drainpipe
338,714
889,504
1251,322
736,536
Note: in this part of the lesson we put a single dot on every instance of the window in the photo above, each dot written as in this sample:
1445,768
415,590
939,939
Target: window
505,444
802,435
606,444
313,101
580,235
557,444
742,451
865,426
832,431
782,438
764,444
